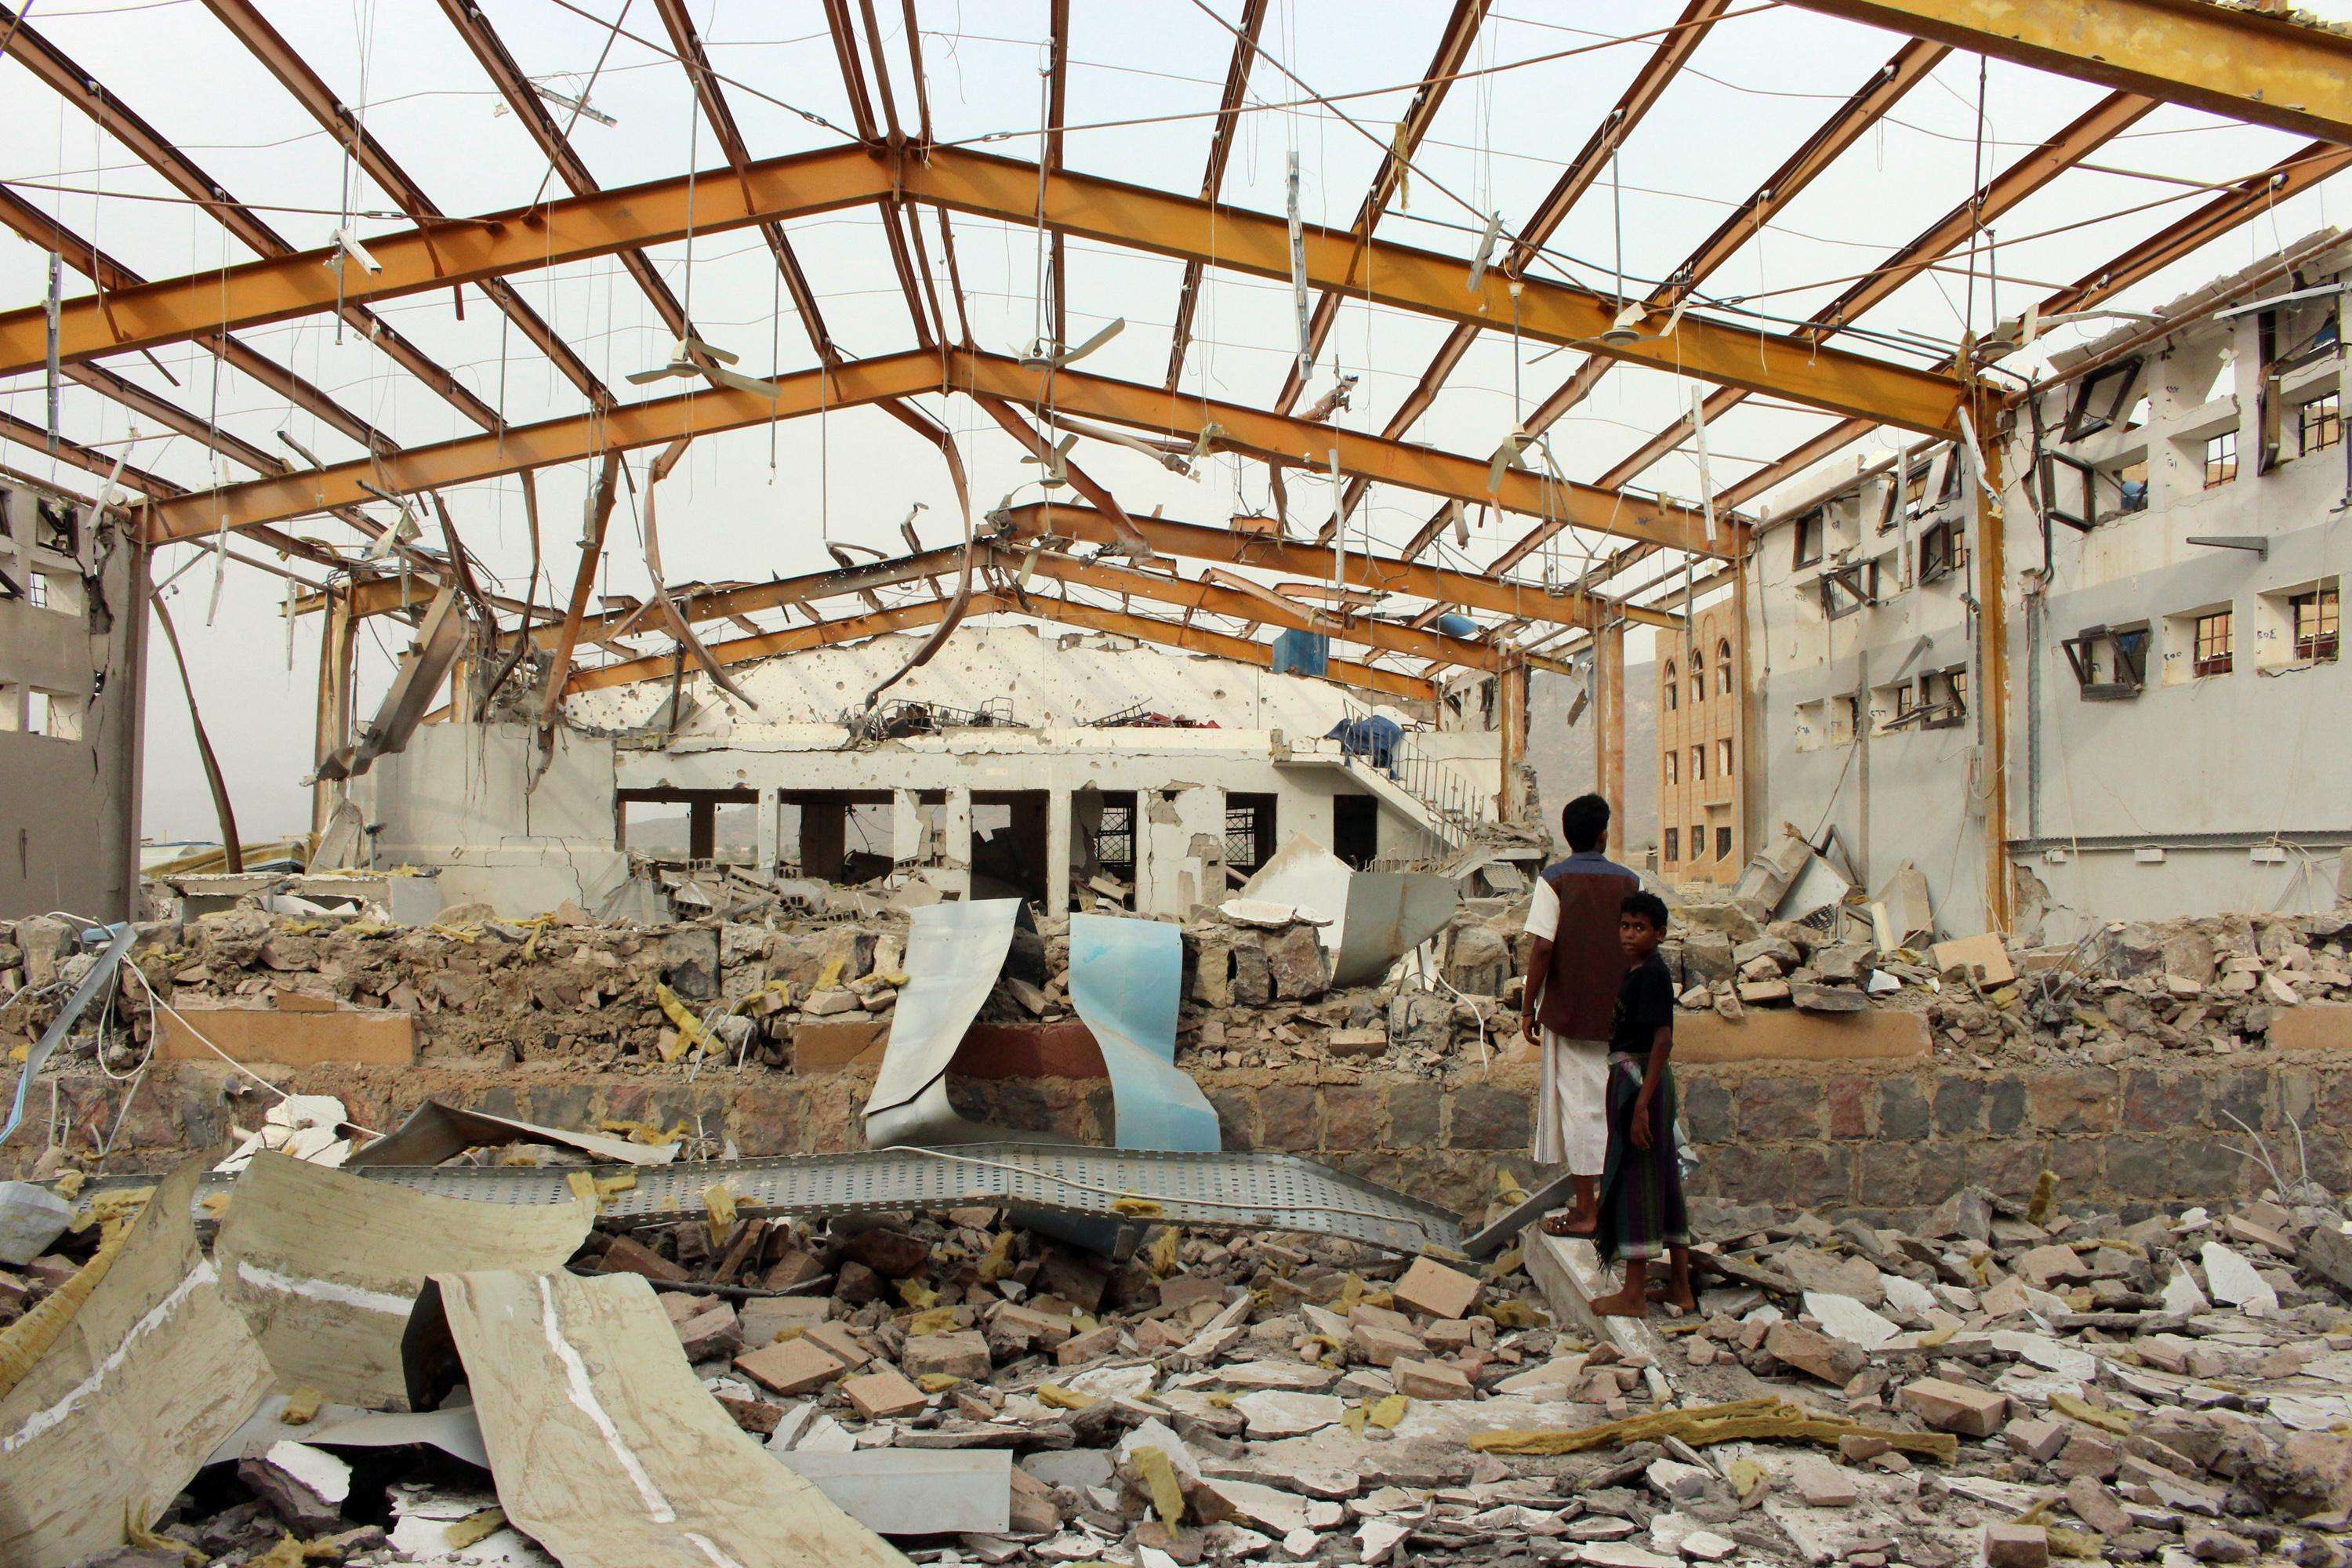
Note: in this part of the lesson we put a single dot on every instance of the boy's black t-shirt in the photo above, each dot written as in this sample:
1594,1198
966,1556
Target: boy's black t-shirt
1645,1001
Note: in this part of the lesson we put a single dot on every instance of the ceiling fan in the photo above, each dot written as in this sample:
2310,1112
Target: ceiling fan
693,358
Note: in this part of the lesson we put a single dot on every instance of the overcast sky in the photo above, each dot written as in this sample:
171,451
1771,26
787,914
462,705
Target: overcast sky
757,504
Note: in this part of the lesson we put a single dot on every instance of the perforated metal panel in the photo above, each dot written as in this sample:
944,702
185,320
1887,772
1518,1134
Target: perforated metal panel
1208,1191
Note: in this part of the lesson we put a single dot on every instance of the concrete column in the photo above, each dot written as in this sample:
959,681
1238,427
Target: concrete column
955,851
1608,731
769,810
824,836
906,827
1058,852
1511,708
338,643
701,829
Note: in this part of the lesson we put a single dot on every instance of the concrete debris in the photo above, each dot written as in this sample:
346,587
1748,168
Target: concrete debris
1859,1386
950,1376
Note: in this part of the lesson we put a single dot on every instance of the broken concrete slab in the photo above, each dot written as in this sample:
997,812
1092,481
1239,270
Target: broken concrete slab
913,1491
139,1368
326,1266
608,1451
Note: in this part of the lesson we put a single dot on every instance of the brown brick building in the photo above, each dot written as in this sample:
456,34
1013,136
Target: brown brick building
1698,752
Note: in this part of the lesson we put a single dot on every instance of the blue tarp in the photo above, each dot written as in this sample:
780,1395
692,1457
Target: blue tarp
1372,737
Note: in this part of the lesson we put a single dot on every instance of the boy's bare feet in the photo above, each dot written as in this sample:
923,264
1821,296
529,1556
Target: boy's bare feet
1630,1302
1572,1224
1680,1297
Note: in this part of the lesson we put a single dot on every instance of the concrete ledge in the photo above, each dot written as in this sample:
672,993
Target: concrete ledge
298,1038
1790,1035
2313,1026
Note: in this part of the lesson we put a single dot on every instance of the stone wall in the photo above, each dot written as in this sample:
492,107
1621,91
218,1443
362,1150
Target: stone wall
1890,1137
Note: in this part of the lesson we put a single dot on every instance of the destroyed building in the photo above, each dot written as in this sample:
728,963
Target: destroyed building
622,944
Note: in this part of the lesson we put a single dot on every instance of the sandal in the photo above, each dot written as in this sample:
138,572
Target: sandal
1557,1226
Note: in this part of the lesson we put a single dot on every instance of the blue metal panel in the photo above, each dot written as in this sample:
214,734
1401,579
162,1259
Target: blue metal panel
1302,652
1127,977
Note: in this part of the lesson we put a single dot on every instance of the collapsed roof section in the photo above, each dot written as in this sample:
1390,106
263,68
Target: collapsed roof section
1500,511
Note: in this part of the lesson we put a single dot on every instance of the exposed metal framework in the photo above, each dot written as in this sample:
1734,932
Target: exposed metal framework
2265,68
2262,68
606,223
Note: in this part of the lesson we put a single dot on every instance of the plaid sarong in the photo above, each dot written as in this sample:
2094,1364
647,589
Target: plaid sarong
1642,1212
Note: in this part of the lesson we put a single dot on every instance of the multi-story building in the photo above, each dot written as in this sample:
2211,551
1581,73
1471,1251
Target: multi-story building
73,617
1700,688
2173,530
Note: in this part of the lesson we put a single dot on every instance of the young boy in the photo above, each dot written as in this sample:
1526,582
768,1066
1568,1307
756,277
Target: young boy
1642,1187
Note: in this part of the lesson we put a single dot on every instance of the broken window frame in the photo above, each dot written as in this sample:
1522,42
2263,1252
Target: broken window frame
1812,528
2087,415
1723,842
1948,708
1723,667
1672,759
1697,676
60,520
1943,551
1699,842
2127,658
1723,760
1860,582
1674,845
1698,764
2328,418
1673,687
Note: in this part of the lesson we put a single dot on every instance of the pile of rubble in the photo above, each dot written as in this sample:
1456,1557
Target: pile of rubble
2210,985
2002,1385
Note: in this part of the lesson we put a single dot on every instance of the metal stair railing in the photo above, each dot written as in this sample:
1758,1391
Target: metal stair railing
1451,807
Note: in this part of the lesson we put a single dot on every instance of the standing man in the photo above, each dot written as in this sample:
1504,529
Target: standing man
1574,968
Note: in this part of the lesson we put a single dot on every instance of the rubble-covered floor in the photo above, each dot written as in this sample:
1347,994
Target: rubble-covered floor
2126,1392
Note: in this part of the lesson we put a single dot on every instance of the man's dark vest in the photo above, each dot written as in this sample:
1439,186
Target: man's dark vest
1581,992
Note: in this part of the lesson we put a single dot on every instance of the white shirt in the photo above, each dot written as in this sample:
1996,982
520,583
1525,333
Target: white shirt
1543,912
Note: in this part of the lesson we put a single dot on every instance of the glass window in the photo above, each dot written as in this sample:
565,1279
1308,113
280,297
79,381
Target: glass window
1698,676
1674,688
1673,757
1723,667
2220,459
37,589
1723,759
1698,841
1674,845
2216,646
2321,421
2316,616
1723,843
1698,764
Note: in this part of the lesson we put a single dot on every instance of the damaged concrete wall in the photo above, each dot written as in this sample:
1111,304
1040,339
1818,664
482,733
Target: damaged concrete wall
470,801
72,710
1562,753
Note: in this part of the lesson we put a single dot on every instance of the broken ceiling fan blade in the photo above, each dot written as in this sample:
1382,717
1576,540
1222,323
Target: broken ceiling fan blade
1072,356
721,377
1506,456
1046,355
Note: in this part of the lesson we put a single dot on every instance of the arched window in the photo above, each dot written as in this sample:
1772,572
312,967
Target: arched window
1698,676
1723,667
1674,688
